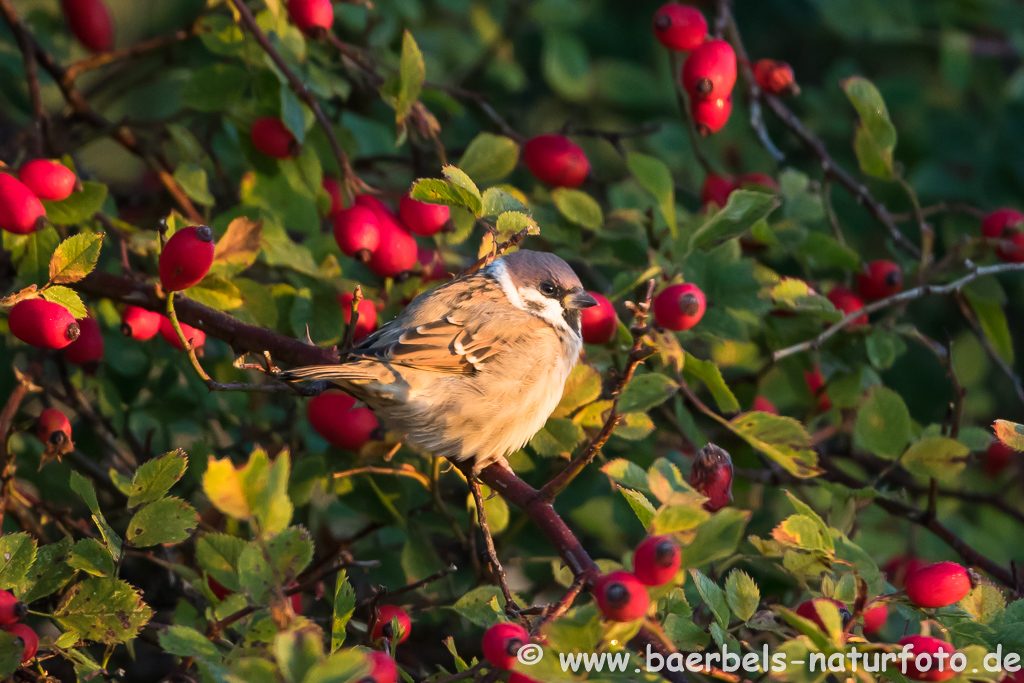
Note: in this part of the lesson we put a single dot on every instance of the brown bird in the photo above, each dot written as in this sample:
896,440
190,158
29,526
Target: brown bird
471,370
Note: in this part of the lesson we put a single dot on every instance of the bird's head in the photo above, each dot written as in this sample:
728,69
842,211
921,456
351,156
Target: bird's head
544,285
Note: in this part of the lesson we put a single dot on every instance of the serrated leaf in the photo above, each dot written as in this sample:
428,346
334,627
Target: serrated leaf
742,594
936,456
68,298
75,257
106,610
654,175
579,207
496,201
17,553
91,557
265,485
782,439
645,392
155,477
713,597
483,606
168,520
489,158
708,373
626,473
291,552
511,222
643,508
883,423
49,572
465,188
79,206
218,555
344,608
217,293
875,138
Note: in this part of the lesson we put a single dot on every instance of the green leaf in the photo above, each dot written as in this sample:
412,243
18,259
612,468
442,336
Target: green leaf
465,188
495,509
291,552
645,512
497,201
218,555
17,553
49,572
106,610
92,557
84,488
936,456
188,642
992,319
717,538
654,175
344,608
713,597
79,206
742,594
558,436
68,298
796,295
437,191
626,473
579,207
672,519
75,257
634,427
511,222
293,113
645,392
582,387
489,158
155,477
10,654
875,138
883,423
266,489
34,266
169,520
192,178
216,293
483,606
297,651
743,209
566,65
708,373
782,439
214,87
403,90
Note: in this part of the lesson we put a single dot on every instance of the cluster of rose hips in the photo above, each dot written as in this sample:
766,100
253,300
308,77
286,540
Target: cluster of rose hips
21,212
1007,225
622,595
12,611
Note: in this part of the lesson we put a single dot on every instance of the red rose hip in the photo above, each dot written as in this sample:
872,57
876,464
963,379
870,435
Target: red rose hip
11,609
556,161
875,618
357,232
930,660
43,324
196,337
21,212
763,405
710,116
396,254
186,258
383,629
847,302
332,416
816,383
48,179
679,307
775,78
809,610
657,560
138,323
716,189
710,71
680,27
311,16
51,427
502,643
621,597
382,668
898,568
91,24
997,458
422,218
271,137
711,476
88,348
29,639
938,585
1012,248
881,279
333,189
599,323
367,321
999,220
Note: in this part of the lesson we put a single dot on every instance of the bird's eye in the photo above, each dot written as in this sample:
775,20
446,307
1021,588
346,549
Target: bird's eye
547,289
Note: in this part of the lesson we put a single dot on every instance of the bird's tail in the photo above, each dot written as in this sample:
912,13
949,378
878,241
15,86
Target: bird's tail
339,374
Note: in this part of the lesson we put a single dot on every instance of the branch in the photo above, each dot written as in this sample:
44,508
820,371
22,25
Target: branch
10,409
1007,369
95,61
511,606
907,295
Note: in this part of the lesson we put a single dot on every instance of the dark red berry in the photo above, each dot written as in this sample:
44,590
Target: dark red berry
382,668
271,137
432,265
898,568
517,677
502,643
311,16
710,116
52,427
710,71
938,585
929,668
333,188
357,232
186,258
711,475
758,180
764,405
21,212
382,629
680,27
332,416
11,609
48,179
138,323
997,458
999,220
716,189
396,254
679,307
598,323
775,78
875,618
847,302
367,321
87,350
556,161
196,337
809,610
657,560
881,279
1012,248
42,323
621,597
29,640
90,22
816,383
423,218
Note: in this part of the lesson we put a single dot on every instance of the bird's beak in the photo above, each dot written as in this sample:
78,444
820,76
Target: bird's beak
579,299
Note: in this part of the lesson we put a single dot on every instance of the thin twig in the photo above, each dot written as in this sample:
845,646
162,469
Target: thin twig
972,320
39,118
10,409
511,605
95,61
398,472
557,609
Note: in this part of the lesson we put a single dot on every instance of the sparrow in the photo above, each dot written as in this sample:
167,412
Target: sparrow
472,369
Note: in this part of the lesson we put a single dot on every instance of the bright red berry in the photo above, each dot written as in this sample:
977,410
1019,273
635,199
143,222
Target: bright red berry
847,302
382,668
502,643
997,458
90,21
271,137
939,585
679,307
88,348
432,265
53,427
875,618
396,254
621,597
517,677
333,188
716,189
196,337
423,218
999,220
383,212
809,610
367,321
711,476
382,628
763,405
21,212
881,279
333,417
657,560
357,232
757,179
775,77
816,383
932,667
11,609
898,568
710,71
556,160
311,16
1012,248
42,323
598,323
186,258
29,639
48,179
710,116
680,27
138,323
